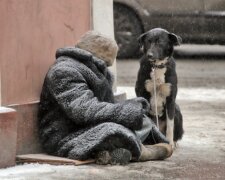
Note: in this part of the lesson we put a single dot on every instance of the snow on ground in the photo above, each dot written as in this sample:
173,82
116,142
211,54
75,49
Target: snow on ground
35,171
198,95
192,94
26,168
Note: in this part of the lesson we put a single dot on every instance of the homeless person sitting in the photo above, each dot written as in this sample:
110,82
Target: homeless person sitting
78,116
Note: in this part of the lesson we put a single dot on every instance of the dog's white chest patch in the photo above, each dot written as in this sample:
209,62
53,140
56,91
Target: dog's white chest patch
162,90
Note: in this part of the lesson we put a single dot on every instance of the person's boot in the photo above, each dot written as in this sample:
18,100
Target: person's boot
103,158
159,151
119,156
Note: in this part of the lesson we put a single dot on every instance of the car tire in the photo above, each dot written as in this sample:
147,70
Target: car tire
128,28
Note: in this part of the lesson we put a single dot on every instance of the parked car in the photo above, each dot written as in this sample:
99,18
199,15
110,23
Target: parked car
196,21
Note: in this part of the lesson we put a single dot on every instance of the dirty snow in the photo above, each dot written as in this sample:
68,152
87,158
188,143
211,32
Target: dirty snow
200,145
191,94
24,169
30,171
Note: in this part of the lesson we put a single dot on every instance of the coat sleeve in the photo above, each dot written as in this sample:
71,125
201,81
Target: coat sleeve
71,91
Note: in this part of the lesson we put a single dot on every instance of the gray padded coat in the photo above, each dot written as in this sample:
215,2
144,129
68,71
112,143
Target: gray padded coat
77,113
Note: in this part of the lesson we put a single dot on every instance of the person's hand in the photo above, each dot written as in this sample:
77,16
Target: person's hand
144,103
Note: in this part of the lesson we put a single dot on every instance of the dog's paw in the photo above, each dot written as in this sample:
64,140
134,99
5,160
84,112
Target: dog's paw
164,89
169,136
176,145
173,144
149,85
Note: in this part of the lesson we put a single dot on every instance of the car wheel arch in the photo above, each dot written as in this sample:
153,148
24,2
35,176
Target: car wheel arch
133,9
127,31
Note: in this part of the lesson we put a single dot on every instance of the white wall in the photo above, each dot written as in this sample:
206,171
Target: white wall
102,14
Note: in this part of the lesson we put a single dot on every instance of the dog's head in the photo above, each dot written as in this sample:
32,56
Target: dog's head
158,44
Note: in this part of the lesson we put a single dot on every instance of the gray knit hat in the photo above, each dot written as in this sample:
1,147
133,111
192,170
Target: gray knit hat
99,45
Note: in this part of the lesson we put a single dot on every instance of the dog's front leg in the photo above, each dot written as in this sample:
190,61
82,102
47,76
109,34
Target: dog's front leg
149,85
170,111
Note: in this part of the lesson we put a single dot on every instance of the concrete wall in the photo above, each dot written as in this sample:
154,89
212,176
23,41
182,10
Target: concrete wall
31,31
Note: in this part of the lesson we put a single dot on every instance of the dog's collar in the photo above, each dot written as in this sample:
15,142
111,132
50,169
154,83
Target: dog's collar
160,66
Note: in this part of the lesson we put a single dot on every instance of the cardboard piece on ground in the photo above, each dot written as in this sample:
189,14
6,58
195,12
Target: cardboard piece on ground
48,159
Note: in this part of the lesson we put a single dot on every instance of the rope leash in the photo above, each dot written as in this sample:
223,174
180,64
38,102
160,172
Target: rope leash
154,66
155,98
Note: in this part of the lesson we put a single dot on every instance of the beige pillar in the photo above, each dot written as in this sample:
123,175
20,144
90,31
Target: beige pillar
102,21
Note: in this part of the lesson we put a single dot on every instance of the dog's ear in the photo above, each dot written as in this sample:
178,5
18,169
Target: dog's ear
141,39
176,40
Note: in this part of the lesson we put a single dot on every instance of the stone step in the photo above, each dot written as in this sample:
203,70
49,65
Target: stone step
8,136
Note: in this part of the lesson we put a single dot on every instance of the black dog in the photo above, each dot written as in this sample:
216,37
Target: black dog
157,81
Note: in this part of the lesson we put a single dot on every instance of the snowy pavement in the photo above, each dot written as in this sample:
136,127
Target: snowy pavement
200,50
200,155
191,94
